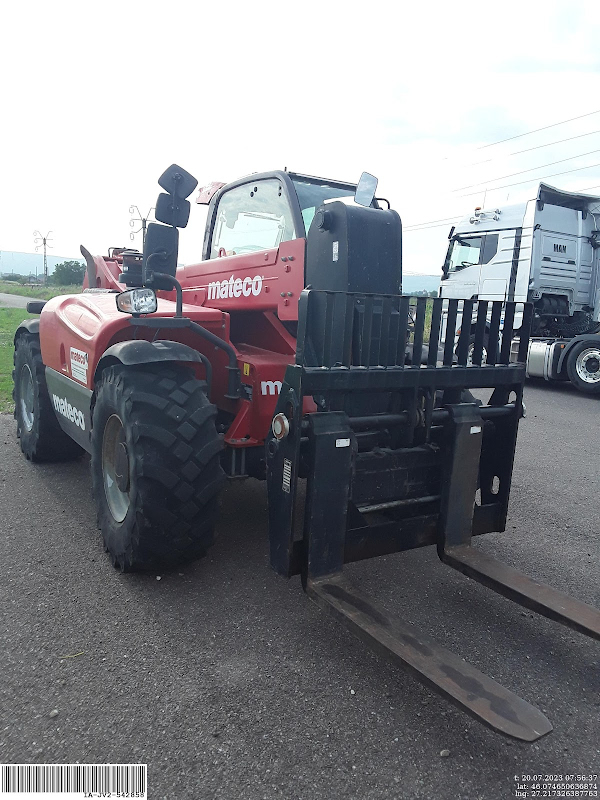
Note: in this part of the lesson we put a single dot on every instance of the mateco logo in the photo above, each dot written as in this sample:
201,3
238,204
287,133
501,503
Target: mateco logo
62,405
270,387
235,287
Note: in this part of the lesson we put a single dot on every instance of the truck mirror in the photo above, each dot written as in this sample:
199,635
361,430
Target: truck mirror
160,250
365,191
176,181
172,210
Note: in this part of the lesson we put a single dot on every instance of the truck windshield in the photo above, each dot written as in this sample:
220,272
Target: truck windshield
463,252
312,195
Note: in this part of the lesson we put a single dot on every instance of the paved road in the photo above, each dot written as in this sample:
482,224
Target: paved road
230,683
13,300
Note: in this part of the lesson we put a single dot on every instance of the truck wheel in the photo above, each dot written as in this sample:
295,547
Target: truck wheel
40,436
471,349
583,367
156,471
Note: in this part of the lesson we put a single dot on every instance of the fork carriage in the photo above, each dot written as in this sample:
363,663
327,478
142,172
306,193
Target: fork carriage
400,455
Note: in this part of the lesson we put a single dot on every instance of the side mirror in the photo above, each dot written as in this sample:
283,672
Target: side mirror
160,253
172,210
176,181
365,191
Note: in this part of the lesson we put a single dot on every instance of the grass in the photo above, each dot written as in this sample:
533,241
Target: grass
10,318
38,292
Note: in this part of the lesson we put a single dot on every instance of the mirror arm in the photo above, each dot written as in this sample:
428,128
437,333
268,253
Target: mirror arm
176,285
385,200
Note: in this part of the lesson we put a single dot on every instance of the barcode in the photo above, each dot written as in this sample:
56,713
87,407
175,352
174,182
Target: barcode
87,780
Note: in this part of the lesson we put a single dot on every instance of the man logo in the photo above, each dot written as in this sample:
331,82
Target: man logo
560,248
270,387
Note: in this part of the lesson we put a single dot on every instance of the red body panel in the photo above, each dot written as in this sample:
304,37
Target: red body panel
91,323
269,280
244,299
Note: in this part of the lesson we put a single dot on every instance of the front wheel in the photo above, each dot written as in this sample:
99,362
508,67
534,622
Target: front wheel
583,367
40,436
156,472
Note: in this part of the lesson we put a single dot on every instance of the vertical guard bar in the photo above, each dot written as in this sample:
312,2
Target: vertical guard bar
525,332
434,336
384,341
327,491
463,435
367,332
507,332
417,352
450,332
400,339
465,332
480,332
348,302
494,336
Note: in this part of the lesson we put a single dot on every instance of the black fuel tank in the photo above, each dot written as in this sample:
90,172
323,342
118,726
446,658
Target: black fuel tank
350,248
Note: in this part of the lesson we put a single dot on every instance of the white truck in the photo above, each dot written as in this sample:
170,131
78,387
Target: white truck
545,251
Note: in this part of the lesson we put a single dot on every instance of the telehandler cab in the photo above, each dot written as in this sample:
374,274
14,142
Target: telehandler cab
288,352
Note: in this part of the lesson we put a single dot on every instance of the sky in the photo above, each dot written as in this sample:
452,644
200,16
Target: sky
98,99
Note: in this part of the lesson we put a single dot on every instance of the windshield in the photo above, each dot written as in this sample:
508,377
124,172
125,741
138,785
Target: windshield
462,253
312,195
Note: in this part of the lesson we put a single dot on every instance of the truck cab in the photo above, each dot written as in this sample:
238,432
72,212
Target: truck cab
545,251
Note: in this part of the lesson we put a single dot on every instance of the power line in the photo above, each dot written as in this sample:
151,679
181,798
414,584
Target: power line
523,171
537,130
414,229
542,178
429,222
529,149
443,225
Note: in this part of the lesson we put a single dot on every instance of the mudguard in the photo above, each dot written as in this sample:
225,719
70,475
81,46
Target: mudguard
140,351
593,338
27,326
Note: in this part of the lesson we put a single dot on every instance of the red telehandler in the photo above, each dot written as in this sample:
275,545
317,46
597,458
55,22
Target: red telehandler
287,353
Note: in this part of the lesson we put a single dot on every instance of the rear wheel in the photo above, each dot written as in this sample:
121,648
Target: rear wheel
156,472
583,367
40,436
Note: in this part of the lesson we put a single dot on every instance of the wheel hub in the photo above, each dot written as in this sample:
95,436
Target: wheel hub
26,395
115,468
122,467
588,365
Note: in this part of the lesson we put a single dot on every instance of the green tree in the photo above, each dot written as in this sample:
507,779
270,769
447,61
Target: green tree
67,273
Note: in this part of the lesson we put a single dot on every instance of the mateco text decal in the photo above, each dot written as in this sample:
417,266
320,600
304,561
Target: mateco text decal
235,287
79,365
62,405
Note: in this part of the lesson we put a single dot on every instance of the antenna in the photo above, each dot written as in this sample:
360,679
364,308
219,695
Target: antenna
139,218
42,241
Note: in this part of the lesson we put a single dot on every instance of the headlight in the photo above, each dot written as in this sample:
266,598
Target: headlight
137,301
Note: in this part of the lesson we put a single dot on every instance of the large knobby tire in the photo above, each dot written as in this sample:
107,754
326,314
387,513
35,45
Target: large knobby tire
583,367
40,436
156,470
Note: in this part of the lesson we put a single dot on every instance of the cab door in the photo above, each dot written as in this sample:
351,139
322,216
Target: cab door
469,271
461,270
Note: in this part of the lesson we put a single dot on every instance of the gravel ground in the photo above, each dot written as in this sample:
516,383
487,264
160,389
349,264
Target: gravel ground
228,682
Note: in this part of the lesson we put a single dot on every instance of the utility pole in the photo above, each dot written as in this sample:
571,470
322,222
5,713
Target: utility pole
42,241
139,218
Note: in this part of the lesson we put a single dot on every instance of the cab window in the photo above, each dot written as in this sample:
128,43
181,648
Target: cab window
464,252
255,216
469,251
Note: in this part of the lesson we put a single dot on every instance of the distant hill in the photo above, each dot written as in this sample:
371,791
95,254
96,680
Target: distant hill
420,283
26,263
